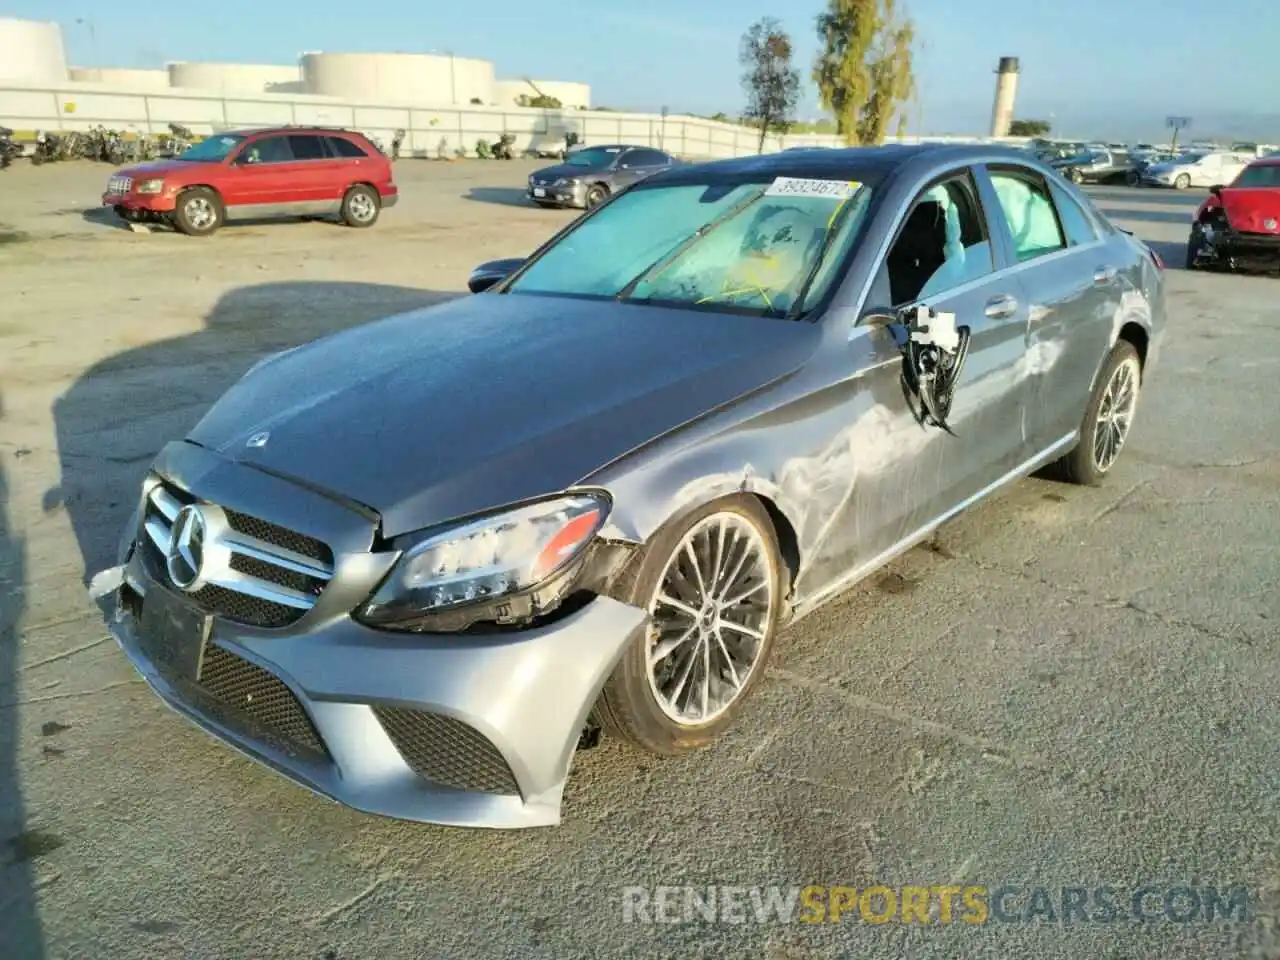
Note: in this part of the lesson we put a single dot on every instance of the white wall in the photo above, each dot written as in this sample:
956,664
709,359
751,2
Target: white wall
31,52
432,130
398,77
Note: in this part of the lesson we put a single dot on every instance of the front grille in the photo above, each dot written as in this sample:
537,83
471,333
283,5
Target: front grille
119,186
248,570
447,751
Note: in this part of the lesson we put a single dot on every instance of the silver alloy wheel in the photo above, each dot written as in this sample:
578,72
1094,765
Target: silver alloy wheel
710,610
361,207
200,212
1115,414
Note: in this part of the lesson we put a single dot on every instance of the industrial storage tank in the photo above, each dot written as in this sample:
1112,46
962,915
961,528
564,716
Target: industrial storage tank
31,52
570,95
234,78
404,77
147,81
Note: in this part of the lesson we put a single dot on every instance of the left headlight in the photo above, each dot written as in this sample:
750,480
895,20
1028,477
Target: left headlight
150,186
505,568
567,182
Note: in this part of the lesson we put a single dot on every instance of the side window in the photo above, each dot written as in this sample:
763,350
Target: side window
1028,211
342,147
267,150
307,148
942,245
1079,228
646,158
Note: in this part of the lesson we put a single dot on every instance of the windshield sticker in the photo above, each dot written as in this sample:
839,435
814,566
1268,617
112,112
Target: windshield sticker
794,187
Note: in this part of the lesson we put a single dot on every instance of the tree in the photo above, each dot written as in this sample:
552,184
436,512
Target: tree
1029,128
772,85
864,68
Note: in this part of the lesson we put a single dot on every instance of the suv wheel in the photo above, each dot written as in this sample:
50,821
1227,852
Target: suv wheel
360,206
713,585
198,212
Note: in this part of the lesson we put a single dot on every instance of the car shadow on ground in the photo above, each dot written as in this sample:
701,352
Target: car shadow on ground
510,196
114,419
103,217
20,930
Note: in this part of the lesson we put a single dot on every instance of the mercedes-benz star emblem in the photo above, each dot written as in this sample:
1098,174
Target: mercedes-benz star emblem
1269,224
258,440
185,554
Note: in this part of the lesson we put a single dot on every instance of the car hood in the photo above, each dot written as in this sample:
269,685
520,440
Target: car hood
158,168
568,170
1249,208
490,399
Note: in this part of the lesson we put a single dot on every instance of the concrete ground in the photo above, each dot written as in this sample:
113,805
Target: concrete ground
1072,687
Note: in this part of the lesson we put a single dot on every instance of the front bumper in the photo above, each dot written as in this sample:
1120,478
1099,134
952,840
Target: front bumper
464,730
567,196
1236,250
149,202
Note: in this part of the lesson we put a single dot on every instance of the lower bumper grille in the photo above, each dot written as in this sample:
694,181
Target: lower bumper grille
246,698
447,751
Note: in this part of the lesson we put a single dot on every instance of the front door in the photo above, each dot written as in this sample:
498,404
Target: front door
261,174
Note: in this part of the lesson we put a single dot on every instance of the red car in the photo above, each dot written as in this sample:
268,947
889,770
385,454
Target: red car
1239,225
251,174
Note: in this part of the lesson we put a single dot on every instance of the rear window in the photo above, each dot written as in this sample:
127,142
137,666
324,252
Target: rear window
342,147
307,147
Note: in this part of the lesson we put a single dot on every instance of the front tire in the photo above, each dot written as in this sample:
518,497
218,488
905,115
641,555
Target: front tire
1107,420
713,584
1076,177
596,195
1181,182
361,206
198,212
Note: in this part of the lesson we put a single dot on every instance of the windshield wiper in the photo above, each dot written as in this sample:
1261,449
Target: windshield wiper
667,259
832,232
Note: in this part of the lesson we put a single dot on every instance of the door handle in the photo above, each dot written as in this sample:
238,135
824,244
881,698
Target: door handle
1002,306
1104,275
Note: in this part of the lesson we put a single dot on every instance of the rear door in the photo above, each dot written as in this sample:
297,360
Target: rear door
1207,171
1064,269
641,162
316,173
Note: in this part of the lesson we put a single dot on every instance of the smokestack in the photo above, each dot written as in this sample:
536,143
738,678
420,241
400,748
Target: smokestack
1006,92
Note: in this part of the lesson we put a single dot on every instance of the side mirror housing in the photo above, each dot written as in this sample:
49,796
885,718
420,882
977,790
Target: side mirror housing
493,271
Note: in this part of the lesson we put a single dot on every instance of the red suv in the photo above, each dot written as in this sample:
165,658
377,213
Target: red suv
238,175
1239,225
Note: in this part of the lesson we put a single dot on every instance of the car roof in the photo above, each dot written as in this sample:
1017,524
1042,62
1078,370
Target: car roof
260,131
869,164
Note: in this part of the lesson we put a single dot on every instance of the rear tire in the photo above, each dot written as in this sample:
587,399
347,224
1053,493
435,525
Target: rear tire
1107,422
716,622
361,206
198,212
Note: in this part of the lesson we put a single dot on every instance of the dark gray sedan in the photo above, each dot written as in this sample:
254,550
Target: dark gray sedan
410,565
589,176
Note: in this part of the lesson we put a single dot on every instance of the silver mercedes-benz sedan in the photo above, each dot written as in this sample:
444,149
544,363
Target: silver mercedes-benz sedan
412,564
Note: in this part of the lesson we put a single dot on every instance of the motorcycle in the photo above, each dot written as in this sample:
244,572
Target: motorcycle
47,148
8,149
482,150
396,141
502,148
179,139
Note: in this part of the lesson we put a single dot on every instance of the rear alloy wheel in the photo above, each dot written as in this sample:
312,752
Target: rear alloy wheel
1182,181
198,212
596,195
1107,420
360,206
713,587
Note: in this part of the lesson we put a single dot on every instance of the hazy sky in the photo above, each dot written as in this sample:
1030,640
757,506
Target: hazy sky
1094,64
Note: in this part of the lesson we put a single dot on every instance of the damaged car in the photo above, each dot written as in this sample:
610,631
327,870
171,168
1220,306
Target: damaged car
415,565
1238,227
